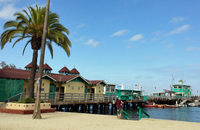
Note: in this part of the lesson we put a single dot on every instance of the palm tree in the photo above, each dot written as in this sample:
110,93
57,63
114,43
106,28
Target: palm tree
30,26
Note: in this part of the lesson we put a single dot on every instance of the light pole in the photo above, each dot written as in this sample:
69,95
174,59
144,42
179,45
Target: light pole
37,113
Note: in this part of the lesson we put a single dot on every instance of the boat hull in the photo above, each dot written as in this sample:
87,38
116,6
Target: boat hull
160,106
172,106
149,105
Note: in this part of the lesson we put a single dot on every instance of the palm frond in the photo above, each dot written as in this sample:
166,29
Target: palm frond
19,39
49,45
25,47
10,24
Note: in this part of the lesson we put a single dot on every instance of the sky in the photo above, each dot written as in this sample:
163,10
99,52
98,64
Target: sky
153,43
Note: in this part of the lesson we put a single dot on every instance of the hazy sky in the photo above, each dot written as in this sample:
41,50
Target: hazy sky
120,41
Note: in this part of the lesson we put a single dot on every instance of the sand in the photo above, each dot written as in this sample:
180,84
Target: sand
82,121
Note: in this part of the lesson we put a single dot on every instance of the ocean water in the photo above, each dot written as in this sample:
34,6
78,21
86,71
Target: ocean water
189,114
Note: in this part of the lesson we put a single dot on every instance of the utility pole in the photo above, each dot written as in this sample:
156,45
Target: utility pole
37,113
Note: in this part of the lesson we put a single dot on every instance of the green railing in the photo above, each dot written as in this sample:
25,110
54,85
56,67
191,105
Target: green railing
124,114
140,113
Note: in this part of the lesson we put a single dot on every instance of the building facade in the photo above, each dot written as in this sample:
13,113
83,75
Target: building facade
63,82
182,90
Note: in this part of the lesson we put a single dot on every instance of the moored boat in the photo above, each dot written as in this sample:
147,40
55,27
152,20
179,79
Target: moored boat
149,105
172,106
160,106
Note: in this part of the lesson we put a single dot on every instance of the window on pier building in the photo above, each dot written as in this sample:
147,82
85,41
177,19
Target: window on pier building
113,89
179,87
175,86
107,89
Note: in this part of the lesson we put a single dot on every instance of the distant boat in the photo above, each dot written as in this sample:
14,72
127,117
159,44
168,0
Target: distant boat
193,104
172,106
160,106
149,105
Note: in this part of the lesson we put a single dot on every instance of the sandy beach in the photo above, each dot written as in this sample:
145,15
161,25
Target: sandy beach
81,121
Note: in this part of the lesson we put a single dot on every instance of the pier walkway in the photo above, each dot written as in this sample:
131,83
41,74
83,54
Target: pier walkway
85,101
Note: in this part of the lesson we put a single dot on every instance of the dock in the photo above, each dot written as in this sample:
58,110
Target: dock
84,101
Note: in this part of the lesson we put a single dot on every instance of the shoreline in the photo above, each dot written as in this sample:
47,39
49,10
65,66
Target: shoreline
76,121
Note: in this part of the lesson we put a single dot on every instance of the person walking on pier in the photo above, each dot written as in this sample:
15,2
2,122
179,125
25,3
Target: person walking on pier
119,108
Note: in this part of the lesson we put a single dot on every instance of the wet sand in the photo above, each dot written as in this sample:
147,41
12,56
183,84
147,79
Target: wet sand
82,121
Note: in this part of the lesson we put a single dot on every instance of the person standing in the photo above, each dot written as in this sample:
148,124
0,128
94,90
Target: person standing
119,108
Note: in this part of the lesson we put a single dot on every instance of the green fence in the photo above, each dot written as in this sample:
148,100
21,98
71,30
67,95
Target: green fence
9,88
141,111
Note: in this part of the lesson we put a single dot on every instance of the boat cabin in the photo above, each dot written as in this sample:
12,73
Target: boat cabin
127,94
181,89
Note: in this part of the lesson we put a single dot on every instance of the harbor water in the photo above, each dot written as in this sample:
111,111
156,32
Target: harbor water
188,114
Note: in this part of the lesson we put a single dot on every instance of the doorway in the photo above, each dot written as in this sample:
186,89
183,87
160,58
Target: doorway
51,91
61,93
92,93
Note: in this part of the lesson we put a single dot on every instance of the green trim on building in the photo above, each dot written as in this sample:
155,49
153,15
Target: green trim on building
183,90
78,79
127,94
46,77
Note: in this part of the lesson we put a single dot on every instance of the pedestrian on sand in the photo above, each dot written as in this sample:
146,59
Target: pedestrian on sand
119,108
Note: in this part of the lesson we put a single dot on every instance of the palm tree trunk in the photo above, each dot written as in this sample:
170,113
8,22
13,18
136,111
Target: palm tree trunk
30,89
37,112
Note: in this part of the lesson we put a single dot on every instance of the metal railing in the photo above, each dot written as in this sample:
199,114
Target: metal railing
170,97
15,97
140,113
62,98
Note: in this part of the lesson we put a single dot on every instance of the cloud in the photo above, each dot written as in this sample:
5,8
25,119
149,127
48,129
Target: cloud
157,33
119,33
136,37
81,25
40,5
6,0
129,46
8,12
92,43
179,30
154,39
170,46
192,49
177,20
79,39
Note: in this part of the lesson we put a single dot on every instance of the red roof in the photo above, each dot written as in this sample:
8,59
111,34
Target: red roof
62,78
95,82
25,74
47,67
14,73
74,71
30,64
64,69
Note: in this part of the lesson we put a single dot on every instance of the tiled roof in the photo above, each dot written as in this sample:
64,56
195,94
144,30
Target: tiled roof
30,64
64,69
14,73
95,82
62,78
25,74
74,71
47,67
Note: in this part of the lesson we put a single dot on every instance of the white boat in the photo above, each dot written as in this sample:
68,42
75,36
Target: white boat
193,104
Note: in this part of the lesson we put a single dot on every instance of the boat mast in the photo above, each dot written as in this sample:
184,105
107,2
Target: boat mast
172,82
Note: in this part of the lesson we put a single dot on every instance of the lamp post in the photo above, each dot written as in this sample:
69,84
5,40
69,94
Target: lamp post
37,113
